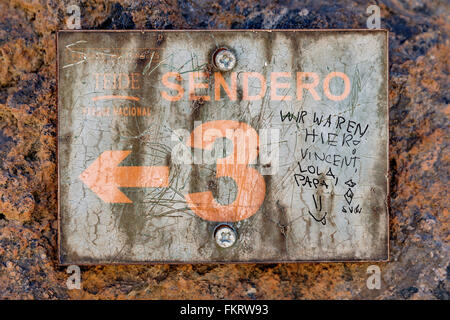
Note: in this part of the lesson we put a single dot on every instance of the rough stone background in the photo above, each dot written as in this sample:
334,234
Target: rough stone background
419,157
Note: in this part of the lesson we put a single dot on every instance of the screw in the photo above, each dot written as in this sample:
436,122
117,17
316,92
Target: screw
225,236
224,59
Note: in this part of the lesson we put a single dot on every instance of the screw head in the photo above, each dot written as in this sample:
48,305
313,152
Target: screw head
224,59
225,236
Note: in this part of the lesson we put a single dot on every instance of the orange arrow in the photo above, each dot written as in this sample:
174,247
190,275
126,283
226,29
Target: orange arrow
104,177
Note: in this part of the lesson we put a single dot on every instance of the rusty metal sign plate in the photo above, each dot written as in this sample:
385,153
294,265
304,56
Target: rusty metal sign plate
222,146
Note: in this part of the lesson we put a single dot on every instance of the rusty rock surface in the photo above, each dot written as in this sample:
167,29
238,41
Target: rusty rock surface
419,158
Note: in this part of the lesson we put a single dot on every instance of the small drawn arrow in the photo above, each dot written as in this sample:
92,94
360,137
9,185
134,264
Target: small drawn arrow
104,177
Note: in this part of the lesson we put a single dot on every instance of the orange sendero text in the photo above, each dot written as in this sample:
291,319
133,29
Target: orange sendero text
278,86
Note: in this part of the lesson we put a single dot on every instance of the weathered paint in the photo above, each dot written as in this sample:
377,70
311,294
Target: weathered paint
158,225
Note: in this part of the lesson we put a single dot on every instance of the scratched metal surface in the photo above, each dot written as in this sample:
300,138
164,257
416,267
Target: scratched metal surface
298,220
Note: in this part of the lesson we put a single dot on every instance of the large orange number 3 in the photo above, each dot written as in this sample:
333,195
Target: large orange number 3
251,188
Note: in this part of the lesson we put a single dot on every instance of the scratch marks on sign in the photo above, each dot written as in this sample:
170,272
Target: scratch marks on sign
82,54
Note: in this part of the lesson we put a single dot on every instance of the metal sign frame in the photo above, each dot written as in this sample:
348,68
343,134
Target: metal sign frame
64,260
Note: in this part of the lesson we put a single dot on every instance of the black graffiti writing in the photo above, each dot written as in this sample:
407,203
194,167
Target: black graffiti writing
351,209
332,139
299,117
307,177
315,168
339,123
349,198
318,206
336,160
305,180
